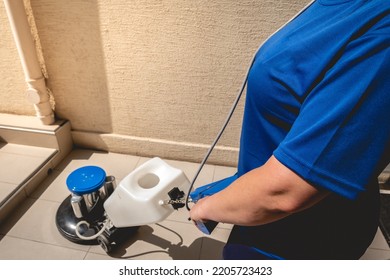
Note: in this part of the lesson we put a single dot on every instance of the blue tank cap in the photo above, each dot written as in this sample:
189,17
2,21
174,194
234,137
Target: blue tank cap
86,180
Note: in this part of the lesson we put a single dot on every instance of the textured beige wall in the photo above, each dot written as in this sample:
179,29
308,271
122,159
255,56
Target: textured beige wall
12,85
148,77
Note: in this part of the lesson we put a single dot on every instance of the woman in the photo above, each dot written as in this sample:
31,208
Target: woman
315,137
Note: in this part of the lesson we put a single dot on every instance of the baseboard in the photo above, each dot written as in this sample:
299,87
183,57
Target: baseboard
150,147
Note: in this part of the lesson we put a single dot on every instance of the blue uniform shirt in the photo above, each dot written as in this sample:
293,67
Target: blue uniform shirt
318,96
318,99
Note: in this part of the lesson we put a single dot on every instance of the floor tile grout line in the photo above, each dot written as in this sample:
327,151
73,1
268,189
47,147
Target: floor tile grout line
138,161
45,243
201,248
29,155
8,183
85,255
50,244
379,249
214,171
43,199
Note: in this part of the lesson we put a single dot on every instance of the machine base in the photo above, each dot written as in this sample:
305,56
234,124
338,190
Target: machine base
66,223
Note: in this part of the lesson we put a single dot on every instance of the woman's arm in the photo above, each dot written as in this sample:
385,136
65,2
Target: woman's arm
263,195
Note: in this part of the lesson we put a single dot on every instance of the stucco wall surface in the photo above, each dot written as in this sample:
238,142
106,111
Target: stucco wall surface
12,85
148,77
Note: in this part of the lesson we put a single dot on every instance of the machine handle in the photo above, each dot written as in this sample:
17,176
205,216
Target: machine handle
206,227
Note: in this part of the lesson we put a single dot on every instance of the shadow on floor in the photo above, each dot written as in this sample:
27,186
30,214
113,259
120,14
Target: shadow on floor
177,251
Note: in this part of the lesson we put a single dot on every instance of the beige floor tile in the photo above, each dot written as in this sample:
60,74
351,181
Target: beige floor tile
117,165
222,172
93,256
77,158
190,169
379,241
39,177
376,254
6,189
213,244
166,240
8,211
142,160
22,167
53,188
12,248
36,222
180,215
27,150
225,226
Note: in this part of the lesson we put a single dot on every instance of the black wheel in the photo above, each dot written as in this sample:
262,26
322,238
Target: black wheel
104,243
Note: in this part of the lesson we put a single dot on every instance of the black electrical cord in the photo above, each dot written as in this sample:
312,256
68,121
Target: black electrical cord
219,134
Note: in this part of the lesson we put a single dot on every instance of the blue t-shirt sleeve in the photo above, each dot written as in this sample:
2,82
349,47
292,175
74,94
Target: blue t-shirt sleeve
340,140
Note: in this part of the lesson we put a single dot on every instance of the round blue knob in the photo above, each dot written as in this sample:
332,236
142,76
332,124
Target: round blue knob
85,180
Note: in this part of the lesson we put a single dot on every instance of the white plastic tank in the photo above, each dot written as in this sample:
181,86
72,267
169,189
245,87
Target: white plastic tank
137,199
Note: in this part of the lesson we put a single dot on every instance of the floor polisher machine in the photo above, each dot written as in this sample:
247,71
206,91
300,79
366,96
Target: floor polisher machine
99,212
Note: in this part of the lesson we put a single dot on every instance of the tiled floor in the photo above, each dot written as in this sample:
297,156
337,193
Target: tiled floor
17,163
31,233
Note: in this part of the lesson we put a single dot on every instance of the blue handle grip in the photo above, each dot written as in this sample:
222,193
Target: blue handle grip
212,188
208,190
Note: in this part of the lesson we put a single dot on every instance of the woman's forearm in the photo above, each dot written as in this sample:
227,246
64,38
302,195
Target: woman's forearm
266,194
